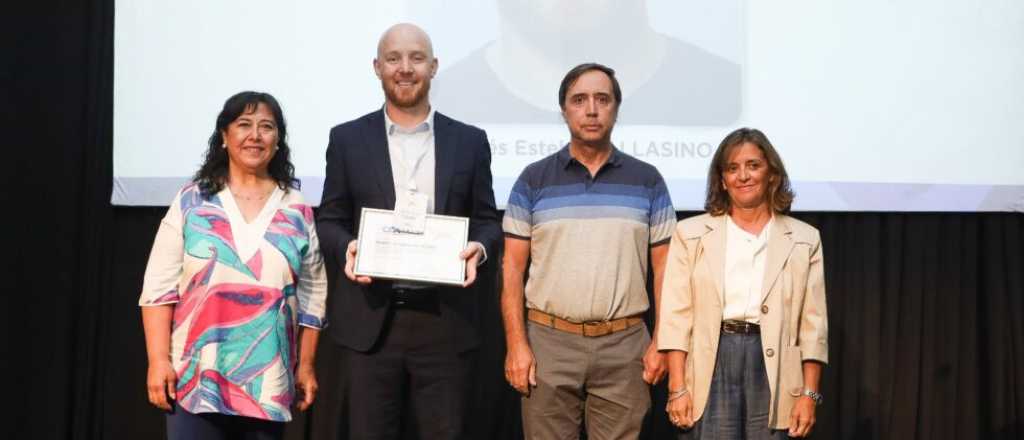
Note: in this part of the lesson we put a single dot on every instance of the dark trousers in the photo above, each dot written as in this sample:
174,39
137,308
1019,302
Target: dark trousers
416,369
738,403
183,425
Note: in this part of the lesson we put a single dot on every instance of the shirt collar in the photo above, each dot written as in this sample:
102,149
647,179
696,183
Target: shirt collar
762,238
391,127
564,158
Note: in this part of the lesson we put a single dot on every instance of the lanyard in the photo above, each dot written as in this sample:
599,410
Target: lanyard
410,174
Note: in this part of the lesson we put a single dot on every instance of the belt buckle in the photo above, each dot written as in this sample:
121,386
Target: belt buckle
596,328
738,327
731,328
399,297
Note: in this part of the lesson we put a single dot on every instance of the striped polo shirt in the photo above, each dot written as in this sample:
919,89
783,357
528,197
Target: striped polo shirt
589,236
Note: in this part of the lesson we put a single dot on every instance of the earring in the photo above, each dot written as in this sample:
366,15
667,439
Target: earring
224,145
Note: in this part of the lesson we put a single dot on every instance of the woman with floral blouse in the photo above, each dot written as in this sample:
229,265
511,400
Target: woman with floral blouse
233,297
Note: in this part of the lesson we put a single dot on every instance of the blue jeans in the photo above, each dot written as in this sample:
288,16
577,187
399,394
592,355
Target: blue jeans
740,396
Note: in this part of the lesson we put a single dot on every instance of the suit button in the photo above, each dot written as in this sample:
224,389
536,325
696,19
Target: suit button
769,352
764,309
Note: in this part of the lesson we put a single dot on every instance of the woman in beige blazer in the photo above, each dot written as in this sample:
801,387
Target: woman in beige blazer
742,313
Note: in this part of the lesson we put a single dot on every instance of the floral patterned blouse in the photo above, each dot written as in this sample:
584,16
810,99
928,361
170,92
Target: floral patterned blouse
239,290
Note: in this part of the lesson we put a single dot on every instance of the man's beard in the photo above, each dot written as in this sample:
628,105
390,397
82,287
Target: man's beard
405,100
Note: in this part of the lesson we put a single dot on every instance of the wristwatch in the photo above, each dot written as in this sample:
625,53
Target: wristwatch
814,395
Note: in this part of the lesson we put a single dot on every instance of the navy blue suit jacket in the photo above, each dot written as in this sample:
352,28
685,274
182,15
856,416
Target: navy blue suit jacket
359,175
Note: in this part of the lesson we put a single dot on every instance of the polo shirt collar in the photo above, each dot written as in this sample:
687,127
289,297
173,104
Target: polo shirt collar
564,158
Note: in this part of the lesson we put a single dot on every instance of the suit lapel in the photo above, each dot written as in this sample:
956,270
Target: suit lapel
445,141
780,245
714,247
376,144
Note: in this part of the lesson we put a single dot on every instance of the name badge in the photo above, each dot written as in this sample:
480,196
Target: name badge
411,212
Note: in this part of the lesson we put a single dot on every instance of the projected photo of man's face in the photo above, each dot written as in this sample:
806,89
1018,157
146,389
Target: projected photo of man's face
560,16
665,80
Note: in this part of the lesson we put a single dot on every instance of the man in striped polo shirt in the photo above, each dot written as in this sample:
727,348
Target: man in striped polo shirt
588,219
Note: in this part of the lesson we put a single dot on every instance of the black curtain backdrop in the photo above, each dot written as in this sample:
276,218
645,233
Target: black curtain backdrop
925,309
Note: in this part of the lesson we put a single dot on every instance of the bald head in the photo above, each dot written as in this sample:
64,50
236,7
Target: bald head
402,35
405,64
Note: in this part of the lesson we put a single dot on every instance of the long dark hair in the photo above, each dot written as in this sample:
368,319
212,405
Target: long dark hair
213,174
780,193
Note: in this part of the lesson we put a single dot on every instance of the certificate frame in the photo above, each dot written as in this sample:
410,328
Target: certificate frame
385,252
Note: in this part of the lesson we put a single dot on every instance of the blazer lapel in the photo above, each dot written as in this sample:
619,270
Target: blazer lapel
780,245
380,161
713,244
445,141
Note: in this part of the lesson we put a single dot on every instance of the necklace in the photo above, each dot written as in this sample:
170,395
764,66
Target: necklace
251,197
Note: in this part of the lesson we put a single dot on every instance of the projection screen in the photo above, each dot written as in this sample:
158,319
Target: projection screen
874,106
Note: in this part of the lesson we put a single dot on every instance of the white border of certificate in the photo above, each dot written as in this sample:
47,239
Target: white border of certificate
432,256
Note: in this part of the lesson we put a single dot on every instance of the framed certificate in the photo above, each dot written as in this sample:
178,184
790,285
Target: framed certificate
432,256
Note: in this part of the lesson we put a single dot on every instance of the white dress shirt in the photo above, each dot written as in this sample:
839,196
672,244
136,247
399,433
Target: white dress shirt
745,255
412,157
412,165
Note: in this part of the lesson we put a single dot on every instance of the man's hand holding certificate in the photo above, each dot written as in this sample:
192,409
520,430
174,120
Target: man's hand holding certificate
388,248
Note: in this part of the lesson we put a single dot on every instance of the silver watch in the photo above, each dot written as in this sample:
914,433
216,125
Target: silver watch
814,395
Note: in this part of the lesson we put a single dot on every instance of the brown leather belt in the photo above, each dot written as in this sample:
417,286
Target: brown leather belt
589,329
740,327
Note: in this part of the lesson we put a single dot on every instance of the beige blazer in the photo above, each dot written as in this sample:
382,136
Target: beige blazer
794,325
